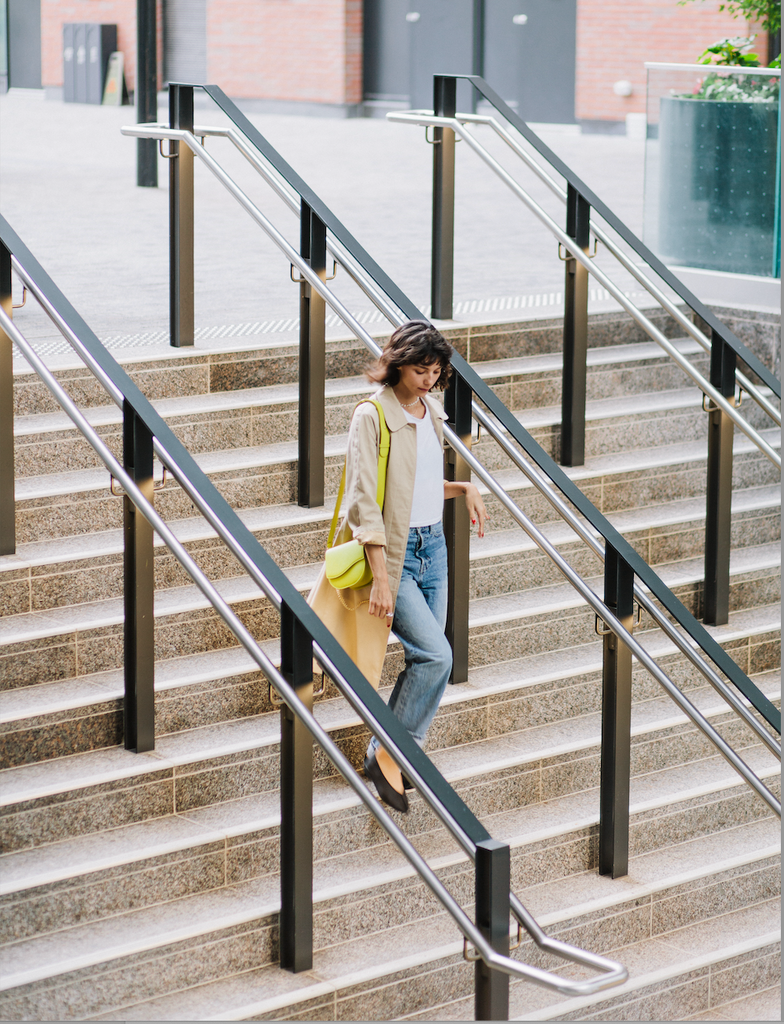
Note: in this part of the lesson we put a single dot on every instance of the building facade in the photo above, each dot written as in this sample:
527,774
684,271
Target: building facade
554,60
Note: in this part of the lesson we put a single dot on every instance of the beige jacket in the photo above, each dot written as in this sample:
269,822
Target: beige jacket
345,613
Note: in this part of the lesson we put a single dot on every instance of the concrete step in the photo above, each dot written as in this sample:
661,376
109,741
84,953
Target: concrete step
490,749
260,362
77,502
86,638
88,567
224,926
48,442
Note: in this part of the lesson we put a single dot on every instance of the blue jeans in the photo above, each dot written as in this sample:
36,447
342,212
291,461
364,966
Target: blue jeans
420,617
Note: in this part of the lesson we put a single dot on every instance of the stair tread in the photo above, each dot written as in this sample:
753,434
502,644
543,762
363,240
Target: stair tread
598,409
81,547
551,902
178,600
373,957
205,403
84,691
480,757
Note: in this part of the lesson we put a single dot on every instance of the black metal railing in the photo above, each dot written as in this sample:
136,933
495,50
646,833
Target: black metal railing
725,348
303,638
626,573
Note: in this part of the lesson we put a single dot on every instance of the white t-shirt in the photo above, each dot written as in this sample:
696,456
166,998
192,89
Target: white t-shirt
427,507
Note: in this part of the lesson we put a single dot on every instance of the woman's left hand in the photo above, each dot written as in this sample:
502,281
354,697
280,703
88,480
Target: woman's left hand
476,508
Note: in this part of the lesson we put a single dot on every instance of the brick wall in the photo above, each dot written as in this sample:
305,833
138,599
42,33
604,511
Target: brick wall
616,37
122,13
306,50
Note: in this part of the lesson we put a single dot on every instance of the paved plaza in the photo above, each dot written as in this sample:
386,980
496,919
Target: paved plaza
67,181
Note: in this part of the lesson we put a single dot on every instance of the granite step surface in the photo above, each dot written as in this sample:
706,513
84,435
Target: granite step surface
507,759
660,967
78,877
48,441
86,567
85,712
79,502
85,638
624,910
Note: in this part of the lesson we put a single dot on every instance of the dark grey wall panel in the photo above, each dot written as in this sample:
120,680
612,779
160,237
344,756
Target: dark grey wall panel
386,60
185,41
24,44
530,54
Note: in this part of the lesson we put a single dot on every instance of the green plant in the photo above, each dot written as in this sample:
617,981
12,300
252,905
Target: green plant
731,51
766,12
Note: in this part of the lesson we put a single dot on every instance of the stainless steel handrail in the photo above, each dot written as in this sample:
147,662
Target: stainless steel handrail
542,484
615,973
611,620
361,334
705,386
599,233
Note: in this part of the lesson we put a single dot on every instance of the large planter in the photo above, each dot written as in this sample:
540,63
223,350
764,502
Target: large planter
717,179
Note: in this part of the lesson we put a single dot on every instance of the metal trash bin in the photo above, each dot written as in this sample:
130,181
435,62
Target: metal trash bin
86,50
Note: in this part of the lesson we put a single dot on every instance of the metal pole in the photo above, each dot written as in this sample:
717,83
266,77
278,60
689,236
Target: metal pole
181,220
492,881
146,90
457,529
139,587
7,485
616,721
575,336
312,363
718,517
296,801
442,257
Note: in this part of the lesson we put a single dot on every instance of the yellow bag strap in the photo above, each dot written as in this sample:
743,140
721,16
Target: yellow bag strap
383,459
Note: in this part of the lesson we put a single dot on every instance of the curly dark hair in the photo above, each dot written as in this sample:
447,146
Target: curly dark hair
415,343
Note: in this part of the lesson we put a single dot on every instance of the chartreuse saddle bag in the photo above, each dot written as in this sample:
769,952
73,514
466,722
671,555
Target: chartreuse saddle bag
347,566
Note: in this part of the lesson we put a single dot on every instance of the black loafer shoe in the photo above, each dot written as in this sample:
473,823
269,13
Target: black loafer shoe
387,793
407,783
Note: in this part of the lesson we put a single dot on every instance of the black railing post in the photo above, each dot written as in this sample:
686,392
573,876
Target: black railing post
575,334
139,587
7,485
146,90
457,529
616,721
312,363
718,517
296,802
492,883
442,257
181,321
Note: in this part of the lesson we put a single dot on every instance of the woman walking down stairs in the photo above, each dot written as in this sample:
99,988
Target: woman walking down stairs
145,886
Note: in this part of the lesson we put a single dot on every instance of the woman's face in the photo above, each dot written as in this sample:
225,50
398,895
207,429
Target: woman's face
418,379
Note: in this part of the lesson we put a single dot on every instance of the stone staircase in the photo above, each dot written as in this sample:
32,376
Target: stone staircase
146,887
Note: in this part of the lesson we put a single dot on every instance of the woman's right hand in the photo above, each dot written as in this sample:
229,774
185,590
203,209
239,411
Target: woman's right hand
380,604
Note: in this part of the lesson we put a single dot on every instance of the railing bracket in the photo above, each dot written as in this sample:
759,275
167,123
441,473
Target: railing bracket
18,305
467,954
169,155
